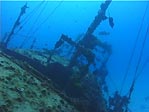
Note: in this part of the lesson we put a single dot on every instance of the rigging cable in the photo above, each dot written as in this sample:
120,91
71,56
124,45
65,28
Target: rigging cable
47,17
32,12
138,64
39,26
29,32
141,53
28,17
133,51
143,67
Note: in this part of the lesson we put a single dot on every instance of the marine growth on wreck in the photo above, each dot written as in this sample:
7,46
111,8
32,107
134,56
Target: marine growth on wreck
69,77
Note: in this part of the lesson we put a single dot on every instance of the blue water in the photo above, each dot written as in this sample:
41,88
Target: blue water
73,19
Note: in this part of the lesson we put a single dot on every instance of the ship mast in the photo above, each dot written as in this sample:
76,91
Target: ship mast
99,18
89,41
17,23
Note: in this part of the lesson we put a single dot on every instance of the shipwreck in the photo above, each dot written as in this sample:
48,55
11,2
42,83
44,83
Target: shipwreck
45,81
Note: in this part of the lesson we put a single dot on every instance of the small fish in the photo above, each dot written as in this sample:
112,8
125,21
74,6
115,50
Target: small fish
104,33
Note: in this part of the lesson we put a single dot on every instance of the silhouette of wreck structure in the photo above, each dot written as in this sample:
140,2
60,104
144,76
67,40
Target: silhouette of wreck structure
82,79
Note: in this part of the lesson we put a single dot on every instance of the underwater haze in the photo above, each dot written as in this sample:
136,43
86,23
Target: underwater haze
47,20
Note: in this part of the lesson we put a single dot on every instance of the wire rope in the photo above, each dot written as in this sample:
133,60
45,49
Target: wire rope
133,51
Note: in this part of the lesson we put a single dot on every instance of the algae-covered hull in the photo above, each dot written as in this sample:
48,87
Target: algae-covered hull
23,88
23,91
46,81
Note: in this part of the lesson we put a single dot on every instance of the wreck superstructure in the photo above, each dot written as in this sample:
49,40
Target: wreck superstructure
78,78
